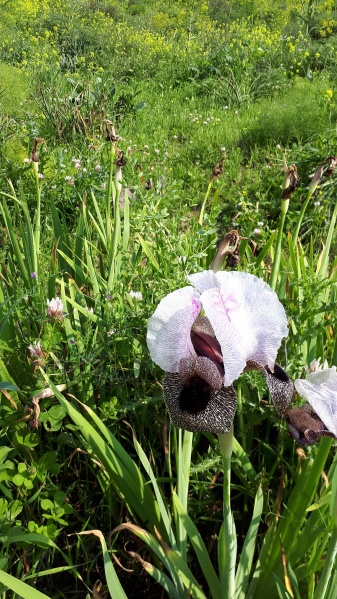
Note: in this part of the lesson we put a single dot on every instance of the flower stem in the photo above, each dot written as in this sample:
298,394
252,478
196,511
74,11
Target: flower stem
300,218
227,539
37,217
110,195
185,439
202,211
278,251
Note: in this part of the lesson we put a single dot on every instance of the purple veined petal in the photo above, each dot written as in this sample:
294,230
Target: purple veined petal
257,314
322,399
204,280
169,328
233,346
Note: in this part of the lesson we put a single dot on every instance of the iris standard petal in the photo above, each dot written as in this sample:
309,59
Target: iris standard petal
255,311
233,347
197,407
204,280
321,397
169,328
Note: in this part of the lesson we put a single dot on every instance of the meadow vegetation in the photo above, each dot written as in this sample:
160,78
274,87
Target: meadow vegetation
129,106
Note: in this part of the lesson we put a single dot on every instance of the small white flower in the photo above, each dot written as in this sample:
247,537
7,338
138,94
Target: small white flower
223,149
97,168
137,295
103,186
257,231
156,151
278,147
317,204
316,366
40,176
27,160
84,169
175,137
146,147
55,308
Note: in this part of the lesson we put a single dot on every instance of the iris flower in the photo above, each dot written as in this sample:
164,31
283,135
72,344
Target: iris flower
318,417
205,335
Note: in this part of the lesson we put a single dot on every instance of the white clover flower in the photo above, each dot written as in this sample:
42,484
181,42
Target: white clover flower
257,231
55,308
317,418
137,295
315,366
203,356
97,168
36,350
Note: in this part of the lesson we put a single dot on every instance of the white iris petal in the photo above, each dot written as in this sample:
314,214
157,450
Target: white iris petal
247,318
320,391
169,328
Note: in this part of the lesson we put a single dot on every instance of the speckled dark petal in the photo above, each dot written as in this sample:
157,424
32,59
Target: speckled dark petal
196,407
281,387
305,425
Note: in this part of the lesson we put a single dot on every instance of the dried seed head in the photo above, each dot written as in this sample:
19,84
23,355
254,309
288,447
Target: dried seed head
218,169
110,131
324,171
120,160
34,155
291,181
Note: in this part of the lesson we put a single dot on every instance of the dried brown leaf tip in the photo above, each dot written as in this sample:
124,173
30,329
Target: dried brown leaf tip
291,181
34,155
218,169
120,160
110,131
324,171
